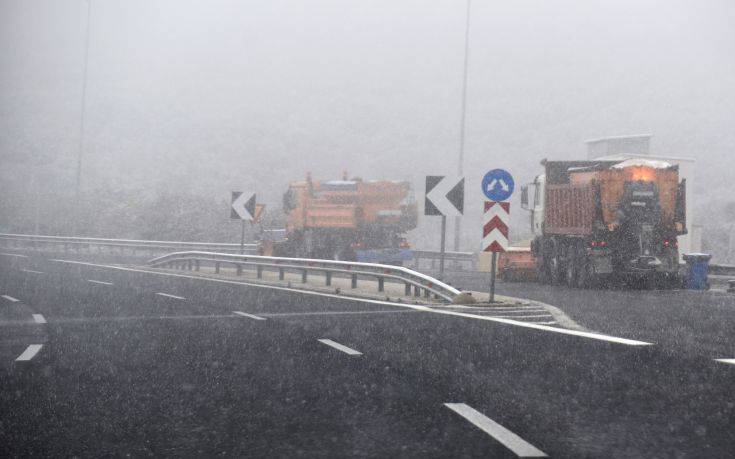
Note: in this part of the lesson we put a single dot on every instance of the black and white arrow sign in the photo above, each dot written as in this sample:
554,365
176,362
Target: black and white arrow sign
444,196
243,205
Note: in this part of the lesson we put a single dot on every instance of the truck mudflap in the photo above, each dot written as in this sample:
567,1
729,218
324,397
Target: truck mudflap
387,256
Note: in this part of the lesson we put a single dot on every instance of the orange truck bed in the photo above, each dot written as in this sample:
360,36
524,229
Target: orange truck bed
349,204
573,207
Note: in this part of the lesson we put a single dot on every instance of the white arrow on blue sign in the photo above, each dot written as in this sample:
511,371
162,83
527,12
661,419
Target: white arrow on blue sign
498,185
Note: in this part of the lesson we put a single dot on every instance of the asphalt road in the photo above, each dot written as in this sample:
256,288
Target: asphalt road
681,322
137,364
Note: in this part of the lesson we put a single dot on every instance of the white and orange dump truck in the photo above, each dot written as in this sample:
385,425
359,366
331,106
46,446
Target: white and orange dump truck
601,220
352,220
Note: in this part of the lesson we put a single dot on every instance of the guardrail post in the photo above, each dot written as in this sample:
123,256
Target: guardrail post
216,267
416,290
427,293
408,289
281,273
303,275
196,265
239,269
354,281
328,274
260,272
381,284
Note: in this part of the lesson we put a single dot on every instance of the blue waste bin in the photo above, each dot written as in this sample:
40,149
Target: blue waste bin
697,270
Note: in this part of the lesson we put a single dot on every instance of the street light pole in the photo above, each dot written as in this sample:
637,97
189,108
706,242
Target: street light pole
80,151
460,165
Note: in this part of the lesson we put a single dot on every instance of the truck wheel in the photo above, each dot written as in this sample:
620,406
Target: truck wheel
555,269
583,267
571,273
584,276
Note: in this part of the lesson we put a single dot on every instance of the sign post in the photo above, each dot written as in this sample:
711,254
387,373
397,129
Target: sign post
444,197
242,207
497,186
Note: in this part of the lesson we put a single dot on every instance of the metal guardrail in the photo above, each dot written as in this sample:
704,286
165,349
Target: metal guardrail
415,283
468,260
80,243
723,270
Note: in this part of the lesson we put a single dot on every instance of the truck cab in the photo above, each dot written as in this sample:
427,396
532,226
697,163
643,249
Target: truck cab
536,205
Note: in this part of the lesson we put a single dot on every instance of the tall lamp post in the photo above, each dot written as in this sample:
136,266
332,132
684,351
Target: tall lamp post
80,150
460,164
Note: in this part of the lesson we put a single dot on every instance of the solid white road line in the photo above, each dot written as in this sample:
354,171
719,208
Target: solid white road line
31,271
510,440
10,298
39,318
14,255
730,361
330,313
339,347
29,353
523,317
171,296
245,314
561,331
99,282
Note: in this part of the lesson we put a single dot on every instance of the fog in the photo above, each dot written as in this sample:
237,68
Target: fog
192,99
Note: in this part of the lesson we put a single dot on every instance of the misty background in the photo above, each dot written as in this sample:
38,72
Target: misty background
186,101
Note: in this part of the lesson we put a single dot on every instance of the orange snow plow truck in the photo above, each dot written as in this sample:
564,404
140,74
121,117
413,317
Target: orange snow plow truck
602,220
352,220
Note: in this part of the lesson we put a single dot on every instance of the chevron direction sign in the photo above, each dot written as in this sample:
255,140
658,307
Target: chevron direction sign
242,206
495,224
444,196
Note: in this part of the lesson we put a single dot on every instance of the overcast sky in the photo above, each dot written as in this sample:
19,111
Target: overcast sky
239,92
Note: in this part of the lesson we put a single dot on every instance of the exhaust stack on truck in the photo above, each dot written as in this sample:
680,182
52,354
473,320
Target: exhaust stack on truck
594,220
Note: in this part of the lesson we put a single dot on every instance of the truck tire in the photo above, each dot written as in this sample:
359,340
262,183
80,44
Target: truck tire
578,258
570,272
555,264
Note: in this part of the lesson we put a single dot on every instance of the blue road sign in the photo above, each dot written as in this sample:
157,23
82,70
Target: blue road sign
498,185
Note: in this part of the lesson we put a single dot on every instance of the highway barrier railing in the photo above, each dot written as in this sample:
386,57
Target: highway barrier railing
465,260
416,284
723,270
79,244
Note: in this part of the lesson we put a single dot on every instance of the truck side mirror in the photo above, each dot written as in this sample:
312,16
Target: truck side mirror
680,216
524,197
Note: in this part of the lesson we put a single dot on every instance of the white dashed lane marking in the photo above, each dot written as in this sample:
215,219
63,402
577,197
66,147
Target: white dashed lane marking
99,282
14,255
171,296
31,271
730,361
29,353
10,298
339,347
510,440
245,314
39,319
